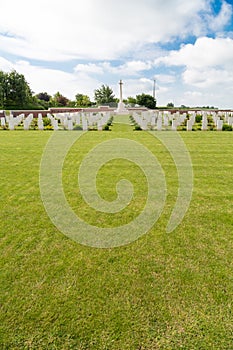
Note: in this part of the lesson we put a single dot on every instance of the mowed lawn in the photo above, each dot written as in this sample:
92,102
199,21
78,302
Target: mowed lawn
163,291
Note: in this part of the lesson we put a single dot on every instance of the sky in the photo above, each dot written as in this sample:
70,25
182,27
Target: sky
74,46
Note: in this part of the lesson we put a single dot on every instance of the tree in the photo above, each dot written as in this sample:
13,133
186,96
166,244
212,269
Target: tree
71,104
2,89
131,100
14,91
43,96
104,95
58,100
43,99
146,101
82,100
170,105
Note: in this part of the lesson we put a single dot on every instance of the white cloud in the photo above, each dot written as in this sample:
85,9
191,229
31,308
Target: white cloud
133,87
208,64
128,68
215,97
165,78
124,40
89,68
133,67
206,52
53,80
218,22
79,81
96,29
5,65
206,78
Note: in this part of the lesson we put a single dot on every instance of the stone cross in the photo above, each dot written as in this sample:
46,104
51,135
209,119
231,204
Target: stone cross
121,107
121,95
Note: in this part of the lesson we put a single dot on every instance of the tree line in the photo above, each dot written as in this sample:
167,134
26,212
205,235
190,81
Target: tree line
15,93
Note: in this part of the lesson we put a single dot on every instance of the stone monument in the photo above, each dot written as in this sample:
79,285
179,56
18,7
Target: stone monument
121,106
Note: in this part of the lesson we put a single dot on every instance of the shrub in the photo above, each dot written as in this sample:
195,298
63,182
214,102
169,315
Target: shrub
77,127
137,127
226,127
106,127
47,121
109,123
198,118
34,124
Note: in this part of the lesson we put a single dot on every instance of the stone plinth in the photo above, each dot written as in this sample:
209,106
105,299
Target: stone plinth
121,109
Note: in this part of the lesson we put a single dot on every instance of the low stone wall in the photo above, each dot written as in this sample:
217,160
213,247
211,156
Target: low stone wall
2,114
27,112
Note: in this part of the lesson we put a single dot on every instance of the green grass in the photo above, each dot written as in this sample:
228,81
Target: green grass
164,291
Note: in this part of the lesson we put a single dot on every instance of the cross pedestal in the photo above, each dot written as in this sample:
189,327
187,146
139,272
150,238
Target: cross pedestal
121,106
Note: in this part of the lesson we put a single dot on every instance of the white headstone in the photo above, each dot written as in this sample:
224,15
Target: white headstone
153,121
84,124
166,120
174,125
99,125
204,126
159,123
219,125
144,125
55,124
230,120
70,124
189,125
11,123
40,122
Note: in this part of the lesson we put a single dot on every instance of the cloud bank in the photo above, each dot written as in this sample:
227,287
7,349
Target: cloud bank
75,46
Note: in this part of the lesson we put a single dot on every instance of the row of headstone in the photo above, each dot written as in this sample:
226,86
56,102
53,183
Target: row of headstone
67,120
152,119
27,122
85,120
14,121
157,120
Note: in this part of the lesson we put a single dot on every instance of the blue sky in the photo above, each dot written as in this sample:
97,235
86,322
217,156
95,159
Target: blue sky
76,46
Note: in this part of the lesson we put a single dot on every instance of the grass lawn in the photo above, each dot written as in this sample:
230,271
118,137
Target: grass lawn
163,291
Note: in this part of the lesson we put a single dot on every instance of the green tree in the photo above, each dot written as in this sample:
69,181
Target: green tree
104,95
58,100
131,100
71,104
43,99
15,92
170,105
43,96
2,89
146,101
82,100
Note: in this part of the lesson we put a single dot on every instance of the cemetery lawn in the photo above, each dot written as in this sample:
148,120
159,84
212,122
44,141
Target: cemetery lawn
163,291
